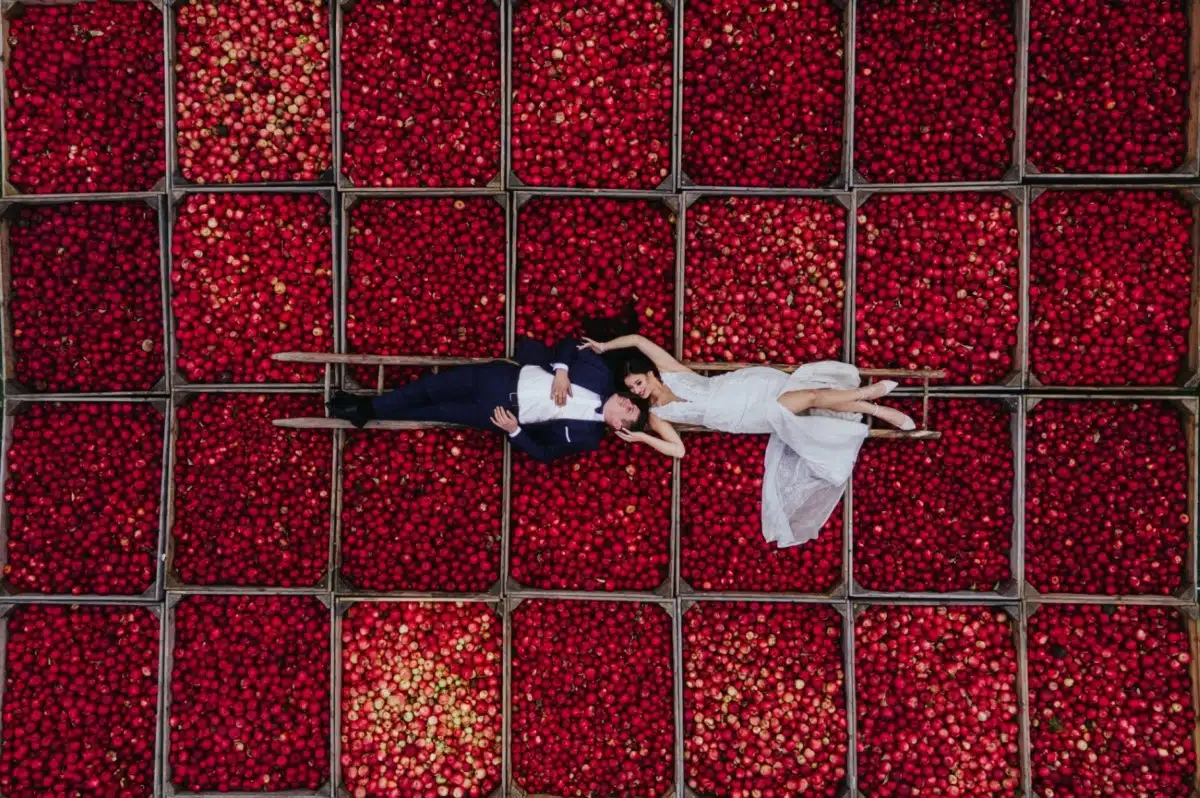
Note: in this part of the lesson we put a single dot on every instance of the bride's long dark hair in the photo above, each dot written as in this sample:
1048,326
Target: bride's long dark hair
621,362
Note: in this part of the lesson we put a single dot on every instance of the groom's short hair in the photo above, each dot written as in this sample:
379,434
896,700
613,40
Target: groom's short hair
643,406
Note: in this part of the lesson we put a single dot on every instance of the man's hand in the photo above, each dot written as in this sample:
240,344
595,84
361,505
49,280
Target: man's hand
593,346
561,388
505,420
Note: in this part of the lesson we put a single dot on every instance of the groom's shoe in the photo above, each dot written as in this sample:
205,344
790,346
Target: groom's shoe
348,407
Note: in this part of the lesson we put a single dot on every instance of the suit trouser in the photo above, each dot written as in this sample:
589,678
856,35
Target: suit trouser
466,395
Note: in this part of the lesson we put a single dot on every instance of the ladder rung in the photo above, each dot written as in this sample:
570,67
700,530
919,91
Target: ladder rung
914,435
337,423
379,360
915,374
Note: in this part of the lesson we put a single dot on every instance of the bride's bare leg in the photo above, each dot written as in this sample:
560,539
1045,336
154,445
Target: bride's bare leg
889,415
831,398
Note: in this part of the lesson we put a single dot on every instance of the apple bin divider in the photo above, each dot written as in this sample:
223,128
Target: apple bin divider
8,210
1189,376
11,8
13,408
167,788
1017,166
175,199
172,581
343,181
176,180
1190,168
1186,594
339,608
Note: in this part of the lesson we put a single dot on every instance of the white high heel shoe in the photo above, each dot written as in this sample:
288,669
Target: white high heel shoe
890,415
877,390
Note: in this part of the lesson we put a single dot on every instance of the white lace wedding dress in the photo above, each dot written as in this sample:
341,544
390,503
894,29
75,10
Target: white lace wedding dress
810,457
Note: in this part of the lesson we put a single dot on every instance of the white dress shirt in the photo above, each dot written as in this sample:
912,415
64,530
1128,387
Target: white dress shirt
535,405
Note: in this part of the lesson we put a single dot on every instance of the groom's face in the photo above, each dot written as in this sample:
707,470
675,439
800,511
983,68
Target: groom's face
619,412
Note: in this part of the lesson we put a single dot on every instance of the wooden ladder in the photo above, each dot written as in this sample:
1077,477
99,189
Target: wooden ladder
921,433
381,362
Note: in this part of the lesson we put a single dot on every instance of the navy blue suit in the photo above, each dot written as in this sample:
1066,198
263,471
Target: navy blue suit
468,395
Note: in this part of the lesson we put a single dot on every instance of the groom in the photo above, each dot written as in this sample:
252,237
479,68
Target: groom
553,404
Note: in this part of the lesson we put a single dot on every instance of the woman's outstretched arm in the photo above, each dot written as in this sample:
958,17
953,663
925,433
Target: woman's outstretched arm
667,441
660,357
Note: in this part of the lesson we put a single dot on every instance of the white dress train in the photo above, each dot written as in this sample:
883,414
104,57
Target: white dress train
810,457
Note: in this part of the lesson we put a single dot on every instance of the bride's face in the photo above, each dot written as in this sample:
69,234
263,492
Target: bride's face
642,385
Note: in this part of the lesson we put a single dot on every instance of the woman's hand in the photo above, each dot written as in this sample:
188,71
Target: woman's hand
594,346
632,437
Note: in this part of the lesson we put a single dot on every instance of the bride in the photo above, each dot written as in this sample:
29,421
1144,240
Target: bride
813,417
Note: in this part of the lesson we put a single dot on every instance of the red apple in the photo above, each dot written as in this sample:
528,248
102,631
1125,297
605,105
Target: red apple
85,297
252,91
85,108
250,694
591,699
421,510
581,258
80,702
600,521
938,283
764,280
721,525
764,700
1106,508
251,275
420,93
252,500
421,700
1110,276
1110,702
1108,86
936,516
763,92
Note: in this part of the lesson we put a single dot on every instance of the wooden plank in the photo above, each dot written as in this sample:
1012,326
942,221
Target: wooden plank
337,423
916,374
925,405
917,434
929,374
413,360
380,360
914,435
1193,635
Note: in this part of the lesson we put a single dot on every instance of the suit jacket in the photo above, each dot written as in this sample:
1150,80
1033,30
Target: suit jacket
552,439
